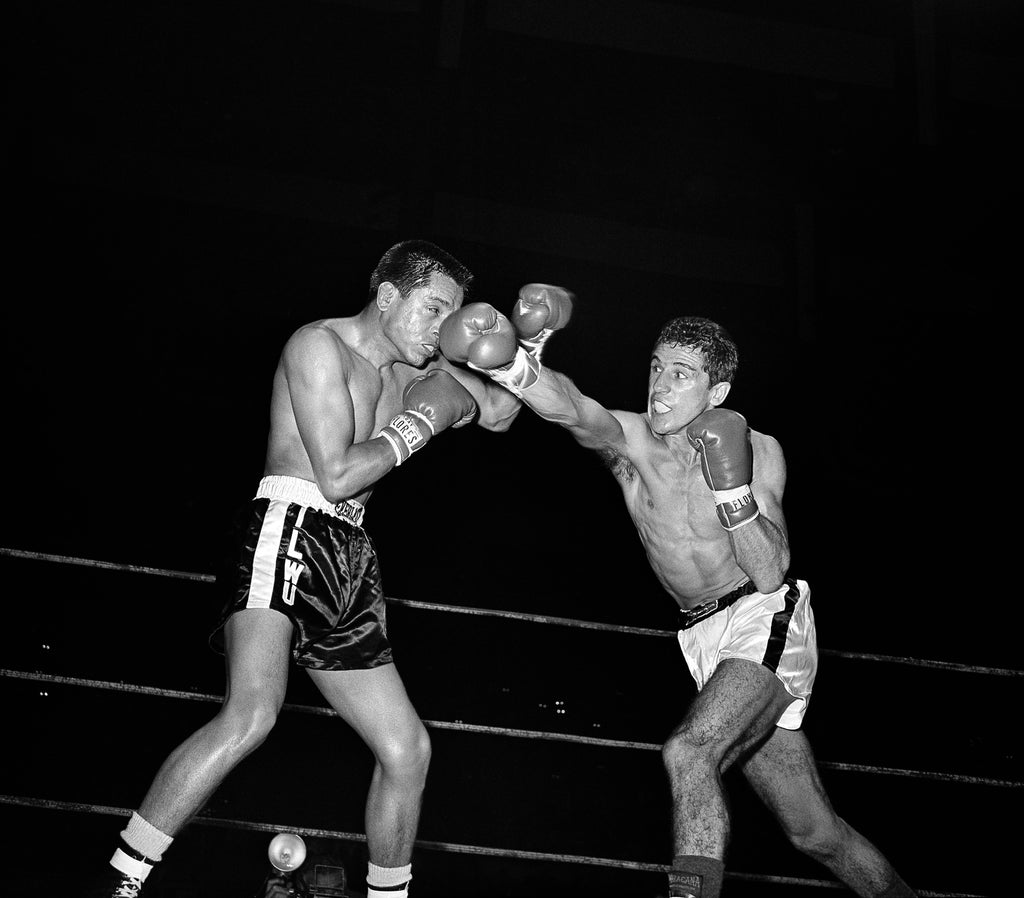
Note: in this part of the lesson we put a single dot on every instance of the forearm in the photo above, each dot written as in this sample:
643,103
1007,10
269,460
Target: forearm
554,397
498,408
762,551
356,471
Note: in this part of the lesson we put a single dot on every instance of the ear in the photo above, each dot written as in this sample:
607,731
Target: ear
387,293
718,392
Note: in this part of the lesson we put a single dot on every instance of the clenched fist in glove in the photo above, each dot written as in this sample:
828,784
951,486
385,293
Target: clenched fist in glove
433,401
540,310
722,439
478,335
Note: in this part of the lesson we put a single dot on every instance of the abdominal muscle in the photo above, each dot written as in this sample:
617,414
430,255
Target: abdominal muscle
689,551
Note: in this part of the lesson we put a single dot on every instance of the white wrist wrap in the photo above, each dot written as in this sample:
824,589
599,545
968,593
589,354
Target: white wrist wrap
518,375
404,435
734,507
535,345
744,522
736,496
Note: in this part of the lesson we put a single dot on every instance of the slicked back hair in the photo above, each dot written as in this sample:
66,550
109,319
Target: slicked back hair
721,358
410,264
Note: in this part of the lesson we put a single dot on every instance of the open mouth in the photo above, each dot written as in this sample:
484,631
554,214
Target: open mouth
429,348
659,407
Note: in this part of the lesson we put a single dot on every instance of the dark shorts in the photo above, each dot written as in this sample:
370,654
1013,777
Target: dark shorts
318,570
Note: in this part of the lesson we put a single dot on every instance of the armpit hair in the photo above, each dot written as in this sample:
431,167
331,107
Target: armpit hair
618,464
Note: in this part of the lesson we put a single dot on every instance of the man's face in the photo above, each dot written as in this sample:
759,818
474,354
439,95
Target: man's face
418,316
678,388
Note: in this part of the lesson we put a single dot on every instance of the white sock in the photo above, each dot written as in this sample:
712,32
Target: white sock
145,838
388,882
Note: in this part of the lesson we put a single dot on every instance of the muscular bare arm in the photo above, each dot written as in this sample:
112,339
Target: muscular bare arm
556,398
498,408
762,546
318,369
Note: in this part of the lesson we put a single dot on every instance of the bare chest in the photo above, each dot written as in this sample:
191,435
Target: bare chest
670,501
376,400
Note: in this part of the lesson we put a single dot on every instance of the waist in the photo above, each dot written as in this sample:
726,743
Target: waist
690,616
305,492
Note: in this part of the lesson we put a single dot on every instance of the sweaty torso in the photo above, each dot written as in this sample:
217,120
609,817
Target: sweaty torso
674,514
374,398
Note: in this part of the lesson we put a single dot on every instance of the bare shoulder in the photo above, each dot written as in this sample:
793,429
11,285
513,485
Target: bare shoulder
635,426
319,344
769,460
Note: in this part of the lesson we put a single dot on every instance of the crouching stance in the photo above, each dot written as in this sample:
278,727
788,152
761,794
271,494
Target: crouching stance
352,398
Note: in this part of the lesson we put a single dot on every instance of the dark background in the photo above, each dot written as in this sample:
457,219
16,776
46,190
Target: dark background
838,184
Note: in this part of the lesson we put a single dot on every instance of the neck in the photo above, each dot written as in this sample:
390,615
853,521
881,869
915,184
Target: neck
370,341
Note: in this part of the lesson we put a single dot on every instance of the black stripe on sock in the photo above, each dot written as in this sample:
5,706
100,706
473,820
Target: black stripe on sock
136,855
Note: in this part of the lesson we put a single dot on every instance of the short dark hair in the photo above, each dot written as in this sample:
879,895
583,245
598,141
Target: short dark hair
410,264
721,358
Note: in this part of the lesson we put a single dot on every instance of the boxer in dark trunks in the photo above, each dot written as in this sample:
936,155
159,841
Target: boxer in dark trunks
351,399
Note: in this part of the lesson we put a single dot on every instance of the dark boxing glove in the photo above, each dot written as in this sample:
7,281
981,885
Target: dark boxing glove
540,310
433,401
479,336
722,440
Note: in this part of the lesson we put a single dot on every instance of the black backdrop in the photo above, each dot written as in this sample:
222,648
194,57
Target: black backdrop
186,183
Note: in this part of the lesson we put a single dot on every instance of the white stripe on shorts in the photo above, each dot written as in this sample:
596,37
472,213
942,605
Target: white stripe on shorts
264,562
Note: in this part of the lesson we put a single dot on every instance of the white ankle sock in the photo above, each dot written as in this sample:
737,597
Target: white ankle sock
388,882
145,838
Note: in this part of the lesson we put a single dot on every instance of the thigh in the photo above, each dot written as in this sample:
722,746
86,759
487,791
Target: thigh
257,643
737,708
373,702
785,777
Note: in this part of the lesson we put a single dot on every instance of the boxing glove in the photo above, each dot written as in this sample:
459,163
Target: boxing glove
478,335
722,440
540,311
433,401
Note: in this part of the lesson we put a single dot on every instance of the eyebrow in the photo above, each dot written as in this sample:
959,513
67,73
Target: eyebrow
436,297
687,365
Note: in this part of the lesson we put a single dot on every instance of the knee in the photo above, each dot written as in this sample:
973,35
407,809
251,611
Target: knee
407,757
820,837
249,724
684,752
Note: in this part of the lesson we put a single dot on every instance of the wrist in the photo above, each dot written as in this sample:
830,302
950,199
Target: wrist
535,345
516,376
735,507
407,433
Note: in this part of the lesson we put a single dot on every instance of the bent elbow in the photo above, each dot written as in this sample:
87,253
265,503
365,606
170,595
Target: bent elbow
336,483
499,423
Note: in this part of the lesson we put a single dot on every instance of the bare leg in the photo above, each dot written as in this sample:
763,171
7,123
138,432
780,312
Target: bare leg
257,643
737,708
784,775
375,704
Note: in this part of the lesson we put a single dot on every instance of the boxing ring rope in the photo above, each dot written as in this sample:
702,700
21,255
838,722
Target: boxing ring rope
450,847
482,729
507,853
510,615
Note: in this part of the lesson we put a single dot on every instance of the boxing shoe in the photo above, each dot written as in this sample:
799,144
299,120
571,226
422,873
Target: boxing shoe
115,884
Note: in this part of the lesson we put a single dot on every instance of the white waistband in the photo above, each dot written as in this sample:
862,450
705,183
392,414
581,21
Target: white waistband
305,492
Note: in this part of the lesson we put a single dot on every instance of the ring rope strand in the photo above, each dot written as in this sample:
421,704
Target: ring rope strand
513,615
483,729
455,848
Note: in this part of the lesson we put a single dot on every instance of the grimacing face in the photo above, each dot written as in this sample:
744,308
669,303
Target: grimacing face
678,388
415,325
